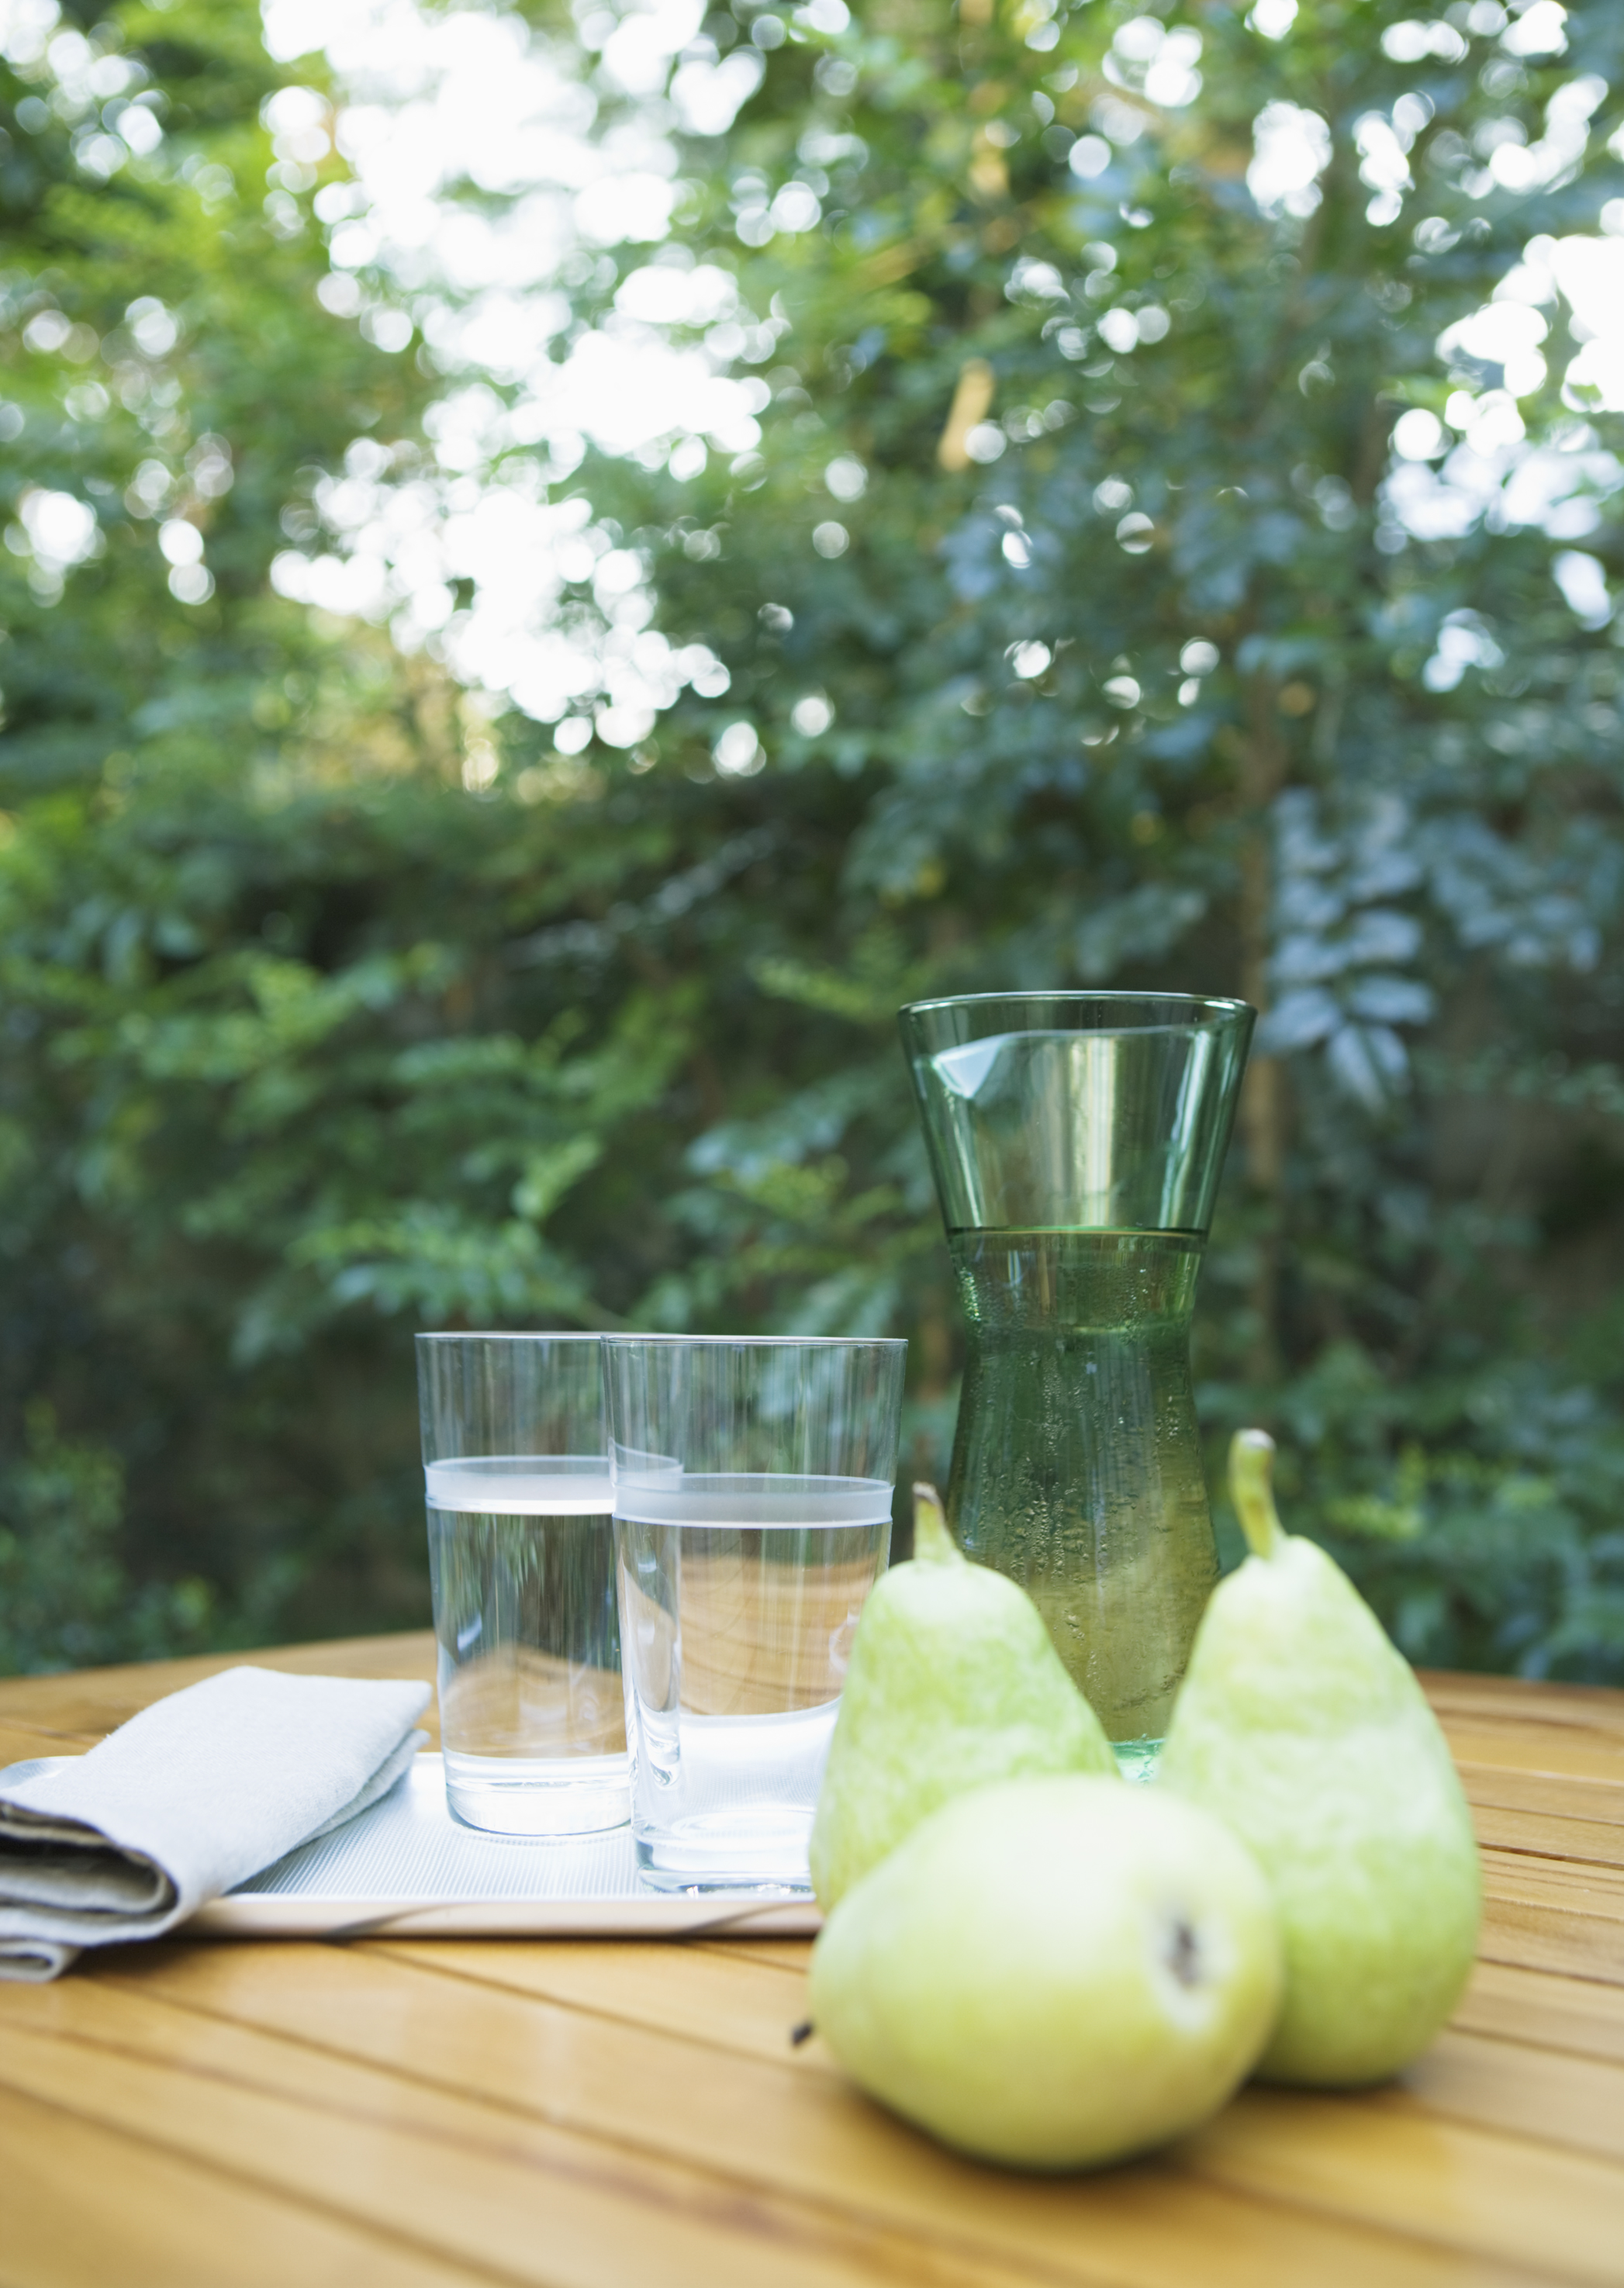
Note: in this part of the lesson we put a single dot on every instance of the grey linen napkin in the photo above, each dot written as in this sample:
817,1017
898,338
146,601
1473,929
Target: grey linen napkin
186,1800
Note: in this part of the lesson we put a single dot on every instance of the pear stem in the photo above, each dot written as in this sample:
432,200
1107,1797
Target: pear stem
1251,1471
932,1541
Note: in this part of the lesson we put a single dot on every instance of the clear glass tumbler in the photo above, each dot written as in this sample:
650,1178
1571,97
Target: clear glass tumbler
1077,1140
521,1557
752,1515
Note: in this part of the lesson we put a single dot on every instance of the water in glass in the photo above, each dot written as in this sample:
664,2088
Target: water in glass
739,1595
1077,1466
532,1716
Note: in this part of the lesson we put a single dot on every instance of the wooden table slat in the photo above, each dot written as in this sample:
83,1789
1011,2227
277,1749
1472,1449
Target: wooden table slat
1557,1754
261,2106
1555,2213
466,2184
589,2115
789,2122
1545,2010
1544,1795
1579,1842
87,2207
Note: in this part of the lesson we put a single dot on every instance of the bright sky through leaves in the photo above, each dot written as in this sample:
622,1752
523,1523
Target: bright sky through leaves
435,103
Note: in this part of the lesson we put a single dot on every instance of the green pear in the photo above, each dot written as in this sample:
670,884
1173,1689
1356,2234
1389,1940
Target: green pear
1053,1973
1302,1727
954,1683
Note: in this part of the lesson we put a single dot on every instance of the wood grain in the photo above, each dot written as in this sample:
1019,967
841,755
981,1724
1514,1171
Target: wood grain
726,1998
1588,1842
590,2115
787,2121
829,2164
1550,1915
77,1709
1545,2012
463,2181
1558,1754
87,2207
1543,1795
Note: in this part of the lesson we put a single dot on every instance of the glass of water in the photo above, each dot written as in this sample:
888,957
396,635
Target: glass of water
521,1558
752,1484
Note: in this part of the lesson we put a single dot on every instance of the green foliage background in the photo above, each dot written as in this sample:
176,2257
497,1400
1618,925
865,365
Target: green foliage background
303,1045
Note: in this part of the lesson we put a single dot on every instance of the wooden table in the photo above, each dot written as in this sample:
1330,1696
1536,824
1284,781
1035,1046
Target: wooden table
441,2112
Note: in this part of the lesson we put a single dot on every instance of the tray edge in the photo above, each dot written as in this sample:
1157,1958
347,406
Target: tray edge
271,1915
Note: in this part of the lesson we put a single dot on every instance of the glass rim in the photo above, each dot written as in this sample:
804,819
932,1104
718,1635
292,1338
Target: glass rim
771,1342
1196,1007
507,1335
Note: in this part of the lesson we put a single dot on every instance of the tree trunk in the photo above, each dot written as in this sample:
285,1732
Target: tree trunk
1262,760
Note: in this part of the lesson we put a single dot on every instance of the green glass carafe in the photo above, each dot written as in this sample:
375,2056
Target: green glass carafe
1076,1141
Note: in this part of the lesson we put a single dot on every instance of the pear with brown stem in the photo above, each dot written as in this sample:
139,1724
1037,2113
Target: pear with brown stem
1053,1973
954,1683
1304,1729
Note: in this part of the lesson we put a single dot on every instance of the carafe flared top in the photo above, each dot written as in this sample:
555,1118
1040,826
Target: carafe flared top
1077,1111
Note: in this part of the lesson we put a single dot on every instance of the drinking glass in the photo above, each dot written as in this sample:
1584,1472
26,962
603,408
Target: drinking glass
752,1481
521,1558
1076,1139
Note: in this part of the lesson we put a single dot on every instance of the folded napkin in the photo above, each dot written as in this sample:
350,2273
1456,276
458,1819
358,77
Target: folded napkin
186,1800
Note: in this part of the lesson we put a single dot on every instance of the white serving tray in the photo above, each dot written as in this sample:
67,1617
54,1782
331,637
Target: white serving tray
405,1868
